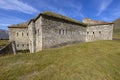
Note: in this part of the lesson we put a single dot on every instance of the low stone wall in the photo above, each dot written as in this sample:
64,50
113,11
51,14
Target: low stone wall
8,49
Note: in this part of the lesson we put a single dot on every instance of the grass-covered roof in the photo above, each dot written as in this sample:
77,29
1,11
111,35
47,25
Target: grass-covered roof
51,14
21,25
54,15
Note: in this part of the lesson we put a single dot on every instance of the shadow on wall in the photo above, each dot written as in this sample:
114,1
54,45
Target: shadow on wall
8,49
66,43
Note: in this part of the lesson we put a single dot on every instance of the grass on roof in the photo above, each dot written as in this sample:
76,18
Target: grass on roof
62,17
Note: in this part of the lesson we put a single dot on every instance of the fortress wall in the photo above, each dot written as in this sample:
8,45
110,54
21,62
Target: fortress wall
56,32
38,34
99,32
20,36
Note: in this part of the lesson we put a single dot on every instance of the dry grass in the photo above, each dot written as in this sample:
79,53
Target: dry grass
3,43
98,60
116,33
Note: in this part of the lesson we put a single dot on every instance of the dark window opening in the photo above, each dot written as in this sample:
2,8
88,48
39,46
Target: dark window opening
27,44
35,32
59,32
87,32
17,45
63,32
17,34
27,34
22,45
99,32
93,32
22,34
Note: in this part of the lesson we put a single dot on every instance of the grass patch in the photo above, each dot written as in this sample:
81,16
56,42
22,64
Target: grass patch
3,43
116,33
98,60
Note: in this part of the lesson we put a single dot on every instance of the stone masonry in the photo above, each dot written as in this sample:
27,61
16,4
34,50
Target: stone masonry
50,30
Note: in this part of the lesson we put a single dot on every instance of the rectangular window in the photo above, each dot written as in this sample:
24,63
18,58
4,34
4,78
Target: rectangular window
22,45
63,32
27,34
17,34
22,34
99,32
59,32
87,32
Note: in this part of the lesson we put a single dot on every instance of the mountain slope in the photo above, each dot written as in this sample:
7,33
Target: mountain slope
98,60
116,33
3,34
117,23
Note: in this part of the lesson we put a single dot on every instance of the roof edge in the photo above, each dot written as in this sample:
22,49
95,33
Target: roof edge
99,24
59,16
16,27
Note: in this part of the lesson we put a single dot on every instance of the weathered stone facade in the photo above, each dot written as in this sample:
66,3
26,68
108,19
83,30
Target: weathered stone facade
20,36
50,30
99,32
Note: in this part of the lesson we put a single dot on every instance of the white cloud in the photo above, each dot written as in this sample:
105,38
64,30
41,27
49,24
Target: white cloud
103,6
2,24
6,21
72,10
17,6
10,20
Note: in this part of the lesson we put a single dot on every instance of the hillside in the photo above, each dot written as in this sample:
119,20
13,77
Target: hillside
117,23
3,43
98,60
3,34
116,28
116,33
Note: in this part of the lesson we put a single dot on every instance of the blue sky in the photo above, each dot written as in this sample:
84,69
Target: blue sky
17,11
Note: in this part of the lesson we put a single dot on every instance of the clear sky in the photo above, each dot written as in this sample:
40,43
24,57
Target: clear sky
17,11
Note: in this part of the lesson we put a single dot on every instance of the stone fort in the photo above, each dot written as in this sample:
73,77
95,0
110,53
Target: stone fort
49,30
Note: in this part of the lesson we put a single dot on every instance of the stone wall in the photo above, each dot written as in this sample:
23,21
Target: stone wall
99,32
56,31
38,28
48,32
32,37
20,36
